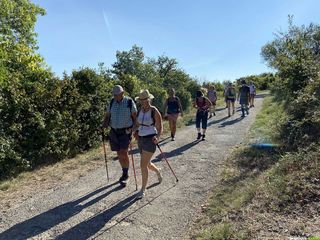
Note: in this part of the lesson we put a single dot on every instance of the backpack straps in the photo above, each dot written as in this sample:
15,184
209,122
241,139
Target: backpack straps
153,113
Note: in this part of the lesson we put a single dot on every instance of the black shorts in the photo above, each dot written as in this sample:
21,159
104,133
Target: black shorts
119,141
231,99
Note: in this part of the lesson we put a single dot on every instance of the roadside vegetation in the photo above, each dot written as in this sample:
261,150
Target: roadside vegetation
270,186
45,119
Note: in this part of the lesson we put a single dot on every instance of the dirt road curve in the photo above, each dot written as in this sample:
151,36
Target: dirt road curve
92,208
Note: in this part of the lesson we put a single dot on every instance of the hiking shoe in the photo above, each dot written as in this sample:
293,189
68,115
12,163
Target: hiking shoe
159,175
210,116
123,180
214,113
203,137
199,136
243,115
173,138
140,194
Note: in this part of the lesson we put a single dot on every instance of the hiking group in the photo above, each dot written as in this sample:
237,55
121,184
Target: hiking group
146,125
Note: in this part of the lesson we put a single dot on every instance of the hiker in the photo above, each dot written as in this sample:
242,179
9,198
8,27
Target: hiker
120,115
212,96
225,94
203,105
252,93
172,109
147,131
231,98
243,97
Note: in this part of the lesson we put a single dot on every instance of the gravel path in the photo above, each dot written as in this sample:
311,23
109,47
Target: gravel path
92,208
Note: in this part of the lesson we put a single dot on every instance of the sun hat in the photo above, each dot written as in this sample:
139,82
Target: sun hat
144,94
117,89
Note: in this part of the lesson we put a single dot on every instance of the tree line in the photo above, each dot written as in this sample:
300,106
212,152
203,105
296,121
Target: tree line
45,118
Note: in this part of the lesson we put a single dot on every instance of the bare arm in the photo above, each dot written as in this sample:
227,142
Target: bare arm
165,107
158,124
208,103
180,106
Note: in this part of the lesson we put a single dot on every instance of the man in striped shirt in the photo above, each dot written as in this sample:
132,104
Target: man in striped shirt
120,115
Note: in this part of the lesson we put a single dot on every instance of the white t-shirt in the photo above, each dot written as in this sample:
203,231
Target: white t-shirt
146,123
252,89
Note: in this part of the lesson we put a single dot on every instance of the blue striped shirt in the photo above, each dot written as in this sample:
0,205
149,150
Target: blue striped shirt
120,114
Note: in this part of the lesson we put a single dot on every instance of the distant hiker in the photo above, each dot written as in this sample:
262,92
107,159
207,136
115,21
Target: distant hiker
120,115
203,105
172,109
225,94
147,132
243,97
231,98
212,96
252,93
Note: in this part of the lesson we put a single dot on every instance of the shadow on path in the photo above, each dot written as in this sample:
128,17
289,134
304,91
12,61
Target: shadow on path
91,226
231,122
46,220
217,121
128,215
177,151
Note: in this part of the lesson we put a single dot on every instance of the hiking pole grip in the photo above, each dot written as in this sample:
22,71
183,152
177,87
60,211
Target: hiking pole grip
105,154
134,170
163,156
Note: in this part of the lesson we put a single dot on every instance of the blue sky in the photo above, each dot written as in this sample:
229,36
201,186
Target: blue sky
211,40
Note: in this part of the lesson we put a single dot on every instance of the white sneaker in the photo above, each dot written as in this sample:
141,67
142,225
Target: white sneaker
159,175
140,194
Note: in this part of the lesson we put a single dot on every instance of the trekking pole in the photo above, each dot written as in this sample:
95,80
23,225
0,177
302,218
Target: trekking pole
134,170
163,156
105,155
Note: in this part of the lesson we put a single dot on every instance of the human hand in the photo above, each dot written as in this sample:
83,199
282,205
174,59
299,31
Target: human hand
155,140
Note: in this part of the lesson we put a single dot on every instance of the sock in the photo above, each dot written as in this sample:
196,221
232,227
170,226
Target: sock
125,171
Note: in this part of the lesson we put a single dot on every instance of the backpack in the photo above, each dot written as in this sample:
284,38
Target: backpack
231,93
129,104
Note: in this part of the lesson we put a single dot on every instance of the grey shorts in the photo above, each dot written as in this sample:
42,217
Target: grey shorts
146,144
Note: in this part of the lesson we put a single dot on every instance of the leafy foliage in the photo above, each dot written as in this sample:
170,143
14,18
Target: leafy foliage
295,54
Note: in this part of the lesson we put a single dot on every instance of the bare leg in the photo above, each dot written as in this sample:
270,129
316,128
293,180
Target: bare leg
123,158
145,162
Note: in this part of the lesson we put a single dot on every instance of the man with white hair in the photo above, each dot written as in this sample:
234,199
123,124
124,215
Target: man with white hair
120,115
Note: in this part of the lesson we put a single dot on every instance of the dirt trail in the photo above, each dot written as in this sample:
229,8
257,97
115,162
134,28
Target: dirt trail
91,208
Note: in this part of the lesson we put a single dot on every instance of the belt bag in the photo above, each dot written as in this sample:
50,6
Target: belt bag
121,131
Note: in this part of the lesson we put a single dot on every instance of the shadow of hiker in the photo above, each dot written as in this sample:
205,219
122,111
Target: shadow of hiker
91,226
217,121
175,152
231,122
134,211
46,220
220,109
